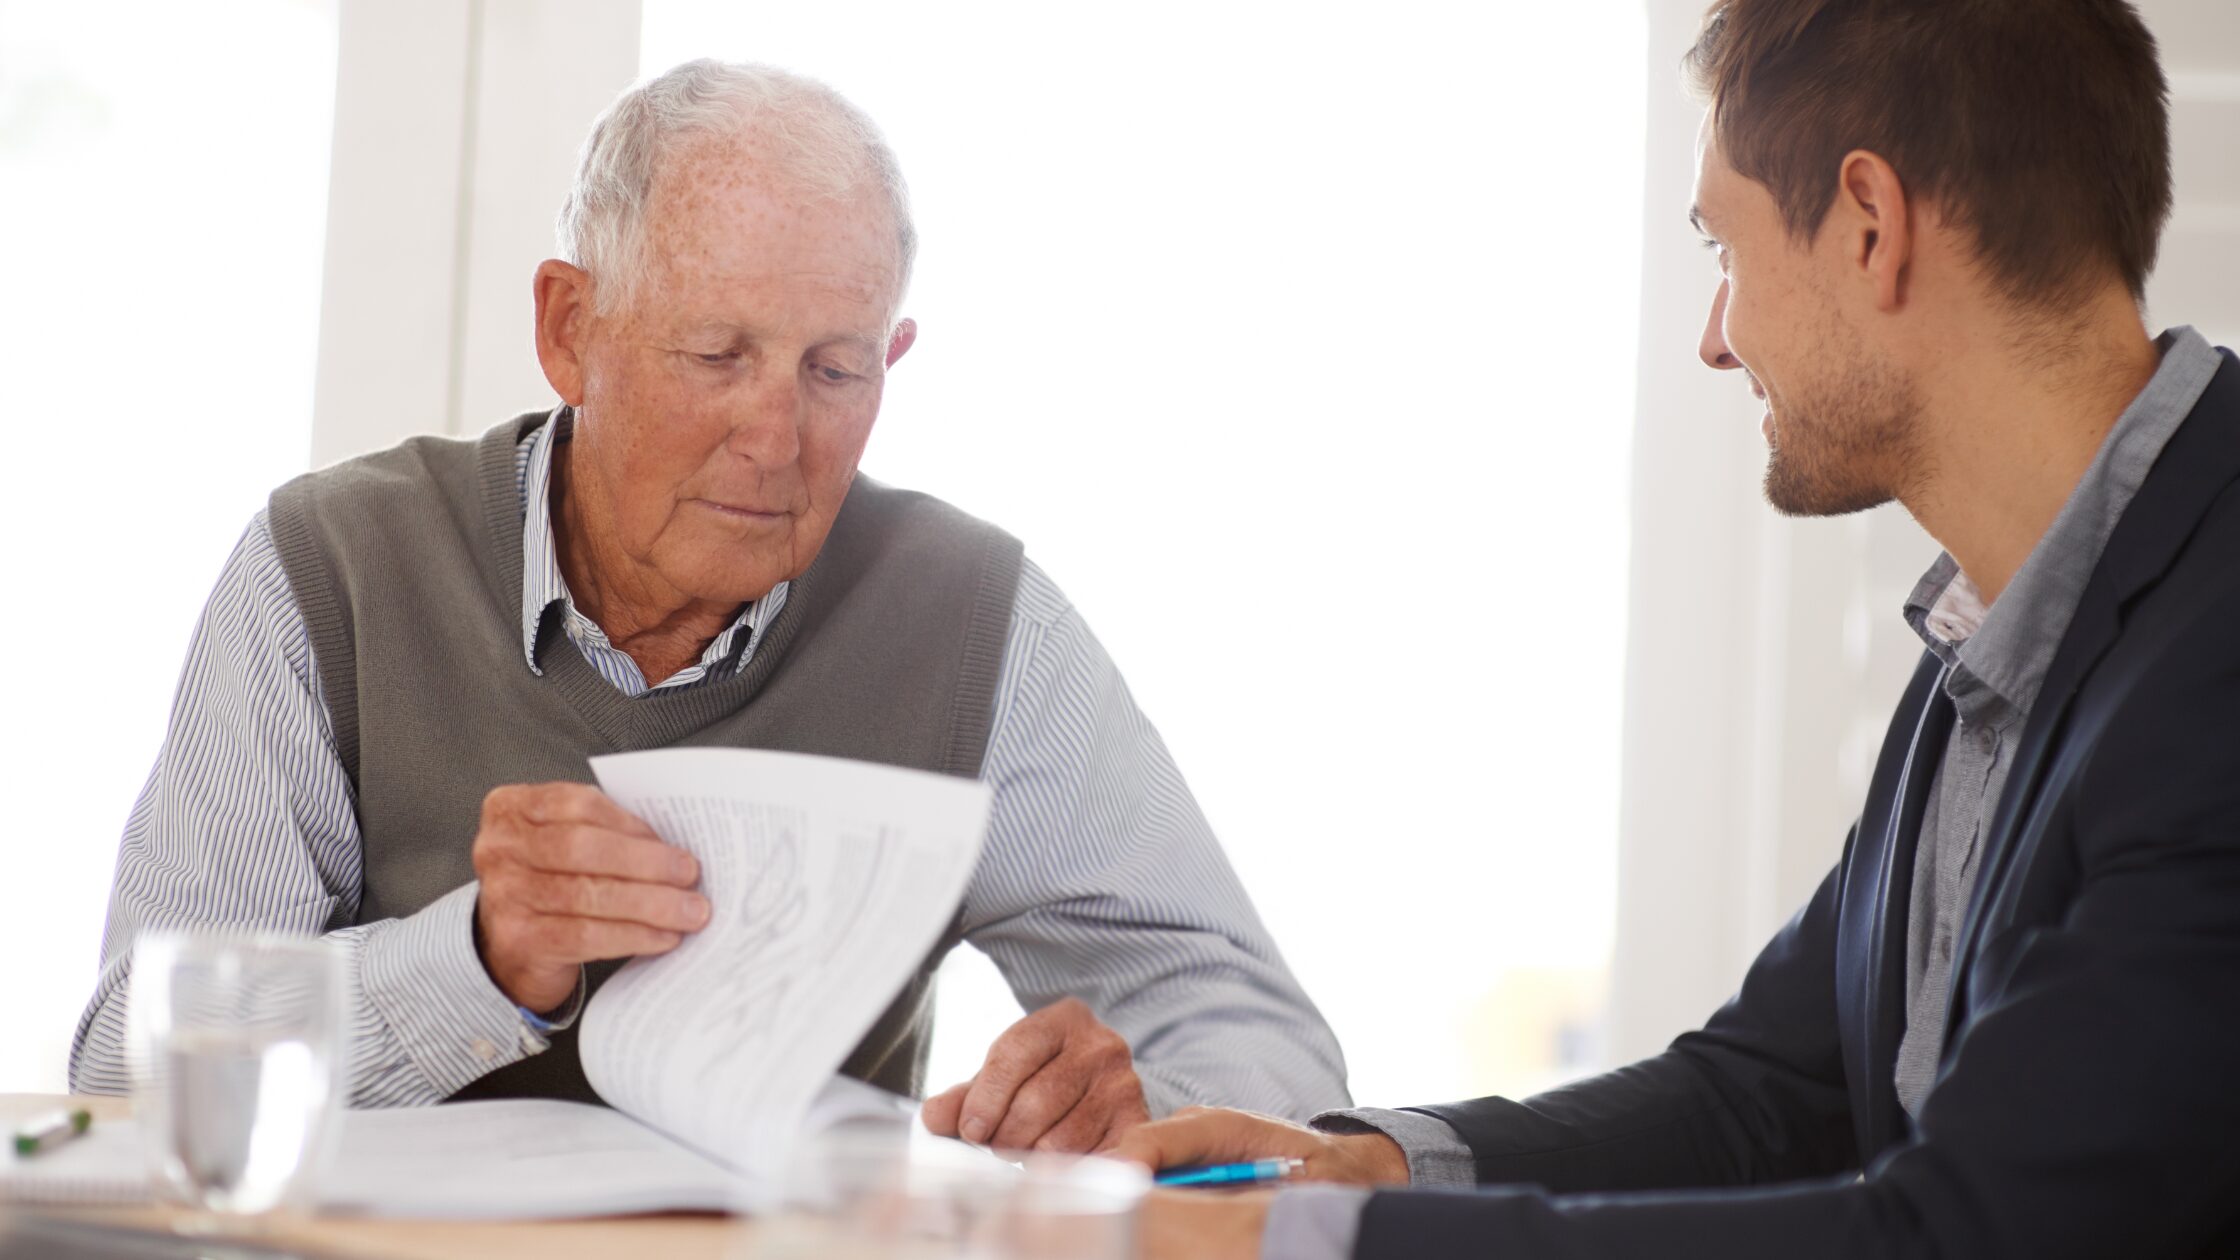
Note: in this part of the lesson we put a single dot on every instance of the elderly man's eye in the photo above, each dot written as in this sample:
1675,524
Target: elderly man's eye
833,375
717,359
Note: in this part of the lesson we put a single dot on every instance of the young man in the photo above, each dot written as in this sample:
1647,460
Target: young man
2006,1024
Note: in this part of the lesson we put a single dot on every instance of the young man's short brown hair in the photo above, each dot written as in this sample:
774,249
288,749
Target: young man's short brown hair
2042,125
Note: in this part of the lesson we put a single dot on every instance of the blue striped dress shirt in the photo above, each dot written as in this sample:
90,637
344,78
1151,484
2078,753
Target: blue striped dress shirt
1100,879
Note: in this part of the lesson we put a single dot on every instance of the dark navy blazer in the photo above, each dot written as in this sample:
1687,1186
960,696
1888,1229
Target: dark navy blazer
2088,1100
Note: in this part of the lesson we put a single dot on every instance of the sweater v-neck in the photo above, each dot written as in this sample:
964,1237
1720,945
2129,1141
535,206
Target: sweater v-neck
657,717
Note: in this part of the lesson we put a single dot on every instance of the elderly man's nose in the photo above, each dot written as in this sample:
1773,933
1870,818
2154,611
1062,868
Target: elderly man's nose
767,427
1714,347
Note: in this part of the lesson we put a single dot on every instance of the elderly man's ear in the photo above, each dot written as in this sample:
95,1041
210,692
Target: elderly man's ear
563,293
905,335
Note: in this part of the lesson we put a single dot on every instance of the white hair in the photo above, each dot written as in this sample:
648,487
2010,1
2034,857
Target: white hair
816,138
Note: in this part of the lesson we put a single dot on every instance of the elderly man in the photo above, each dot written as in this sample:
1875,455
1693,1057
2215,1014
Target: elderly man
382,728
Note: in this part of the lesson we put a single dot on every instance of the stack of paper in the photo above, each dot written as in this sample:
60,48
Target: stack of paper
831,881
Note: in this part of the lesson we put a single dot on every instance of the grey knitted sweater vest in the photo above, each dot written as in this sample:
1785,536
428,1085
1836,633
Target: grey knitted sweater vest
407,567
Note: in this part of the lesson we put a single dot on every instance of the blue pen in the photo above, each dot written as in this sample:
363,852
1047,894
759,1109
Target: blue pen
1257,1171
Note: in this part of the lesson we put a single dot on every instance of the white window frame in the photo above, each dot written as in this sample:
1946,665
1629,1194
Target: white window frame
456,127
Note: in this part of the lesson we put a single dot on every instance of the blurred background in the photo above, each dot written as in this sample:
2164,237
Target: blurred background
1338,360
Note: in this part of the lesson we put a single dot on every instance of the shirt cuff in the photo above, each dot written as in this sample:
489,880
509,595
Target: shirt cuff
1437,1155
423,978
1317,1222
564,1017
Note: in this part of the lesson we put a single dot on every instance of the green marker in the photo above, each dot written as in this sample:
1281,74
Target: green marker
44,1133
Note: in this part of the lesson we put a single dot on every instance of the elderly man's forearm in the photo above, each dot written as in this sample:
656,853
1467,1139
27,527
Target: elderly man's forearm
424,1020
1285,1065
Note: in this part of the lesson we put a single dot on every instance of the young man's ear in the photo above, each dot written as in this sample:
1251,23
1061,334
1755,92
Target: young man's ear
1877,222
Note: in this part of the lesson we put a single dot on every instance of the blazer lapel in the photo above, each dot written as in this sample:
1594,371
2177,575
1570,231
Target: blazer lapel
2200,461
1873,953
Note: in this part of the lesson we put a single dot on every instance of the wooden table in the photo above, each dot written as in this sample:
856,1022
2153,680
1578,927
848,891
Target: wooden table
685,1237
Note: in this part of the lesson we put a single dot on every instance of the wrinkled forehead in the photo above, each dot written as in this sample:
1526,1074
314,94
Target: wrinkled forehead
730,210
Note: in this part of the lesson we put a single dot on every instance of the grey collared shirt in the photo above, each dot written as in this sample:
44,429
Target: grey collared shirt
1995,661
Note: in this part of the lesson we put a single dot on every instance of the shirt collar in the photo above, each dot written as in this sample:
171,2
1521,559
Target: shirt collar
542,584
1945,608
2010,644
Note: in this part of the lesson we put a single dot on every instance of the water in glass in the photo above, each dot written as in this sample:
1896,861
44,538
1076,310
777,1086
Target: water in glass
236,1051
244,1115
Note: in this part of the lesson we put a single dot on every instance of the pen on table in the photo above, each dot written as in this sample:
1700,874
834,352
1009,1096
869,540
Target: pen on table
1257,1171
44,1133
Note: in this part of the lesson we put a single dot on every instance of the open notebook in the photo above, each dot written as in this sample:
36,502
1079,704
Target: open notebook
514,1159
831,880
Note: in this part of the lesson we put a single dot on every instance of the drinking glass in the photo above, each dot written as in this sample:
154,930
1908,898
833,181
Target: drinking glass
235,1042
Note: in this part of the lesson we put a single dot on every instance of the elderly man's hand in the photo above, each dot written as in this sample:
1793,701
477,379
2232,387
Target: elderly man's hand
1057,1080
569,877
1201,1225
1217,1135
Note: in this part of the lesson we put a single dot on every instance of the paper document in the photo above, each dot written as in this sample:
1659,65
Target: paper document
830,881
523,1158
513,1159
535,1158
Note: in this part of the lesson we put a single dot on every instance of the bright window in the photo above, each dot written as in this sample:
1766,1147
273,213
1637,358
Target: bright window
161,237
1298,343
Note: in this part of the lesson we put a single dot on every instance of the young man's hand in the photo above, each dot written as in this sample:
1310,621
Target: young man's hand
1217,1135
